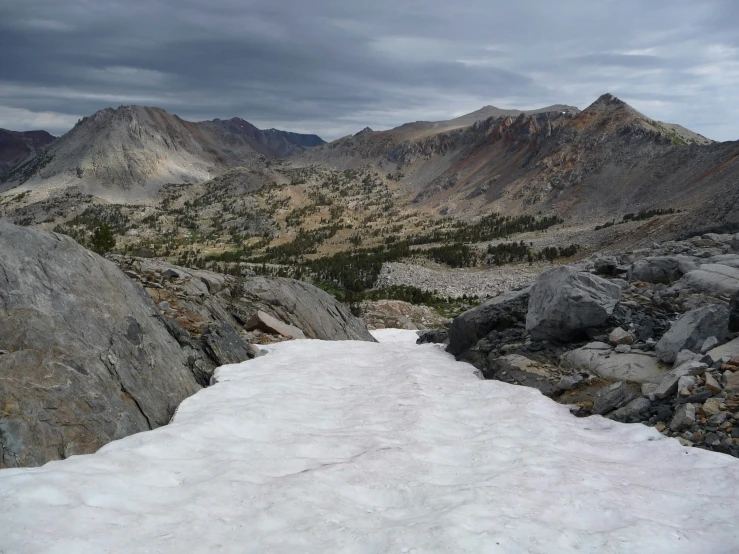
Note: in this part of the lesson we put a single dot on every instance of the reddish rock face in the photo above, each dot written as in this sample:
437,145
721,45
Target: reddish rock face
16,146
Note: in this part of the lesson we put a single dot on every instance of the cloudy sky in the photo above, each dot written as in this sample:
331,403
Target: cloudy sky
335,66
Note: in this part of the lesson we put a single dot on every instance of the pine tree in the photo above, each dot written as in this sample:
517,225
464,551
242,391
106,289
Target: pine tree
103,239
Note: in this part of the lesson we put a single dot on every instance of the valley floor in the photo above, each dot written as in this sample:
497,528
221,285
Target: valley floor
362,447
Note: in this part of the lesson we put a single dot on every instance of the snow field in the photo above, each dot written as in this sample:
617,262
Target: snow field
367,448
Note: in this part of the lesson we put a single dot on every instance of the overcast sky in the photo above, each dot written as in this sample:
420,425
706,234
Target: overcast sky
333,67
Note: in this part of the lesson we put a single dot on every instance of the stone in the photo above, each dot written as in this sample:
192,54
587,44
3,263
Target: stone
711,383
170,274
708,344
569,382
668,384
632,410
269,324
636,367
726,350
711,279
684,417
612,397
564,302
661,269
718,419
692,329
223,345
732,383
433,336
519,370
734,313
90,359
712,406
497,314
254,351
605,265
619,336
647,389
685,356
622,349
684,383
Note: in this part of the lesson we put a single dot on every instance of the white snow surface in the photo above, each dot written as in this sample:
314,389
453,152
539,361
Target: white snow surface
363,448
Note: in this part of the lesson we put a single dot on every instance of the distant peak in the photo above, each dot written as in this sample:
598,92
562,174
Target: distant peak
365,130
610,99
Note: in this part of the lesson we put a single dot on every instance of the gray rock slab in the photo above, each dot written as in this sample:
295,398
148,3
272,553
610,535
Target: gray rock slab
636,367
712,279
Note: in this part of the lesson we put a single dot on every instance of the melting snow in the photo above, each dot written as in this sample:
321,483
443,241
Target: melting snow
359,447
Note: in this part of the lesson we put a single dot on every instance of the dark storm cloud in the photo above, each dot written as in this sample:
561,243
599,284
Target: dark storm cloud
332,67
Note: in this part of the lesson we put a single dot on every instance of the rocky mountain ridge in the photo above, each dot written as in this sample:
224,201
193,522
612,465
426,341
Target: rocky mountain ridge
126,154
17,146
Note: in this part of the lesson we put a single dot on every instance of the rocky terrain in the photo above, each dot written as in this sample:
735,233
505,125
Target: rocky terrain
88,356
649,336
17,146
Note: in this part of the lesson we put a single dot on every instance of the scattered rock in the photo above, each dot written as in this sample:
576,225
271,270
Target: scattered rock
612,397
632,410
565,302
711,383
691,330
435,336
684,417
497,314
619,336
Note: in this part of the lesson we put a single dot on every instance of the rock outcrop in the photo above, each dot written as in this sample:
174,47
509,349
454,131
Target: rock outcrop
196,297
565,302
87,357
497,314
692,329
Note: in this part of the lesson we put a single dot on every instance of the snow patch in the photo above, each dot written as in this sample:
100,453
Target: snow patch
362,447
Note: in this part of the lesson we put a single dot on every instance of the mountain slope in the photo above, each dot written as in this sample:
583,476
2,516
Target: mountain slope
605,161
124,154
272,143
17,146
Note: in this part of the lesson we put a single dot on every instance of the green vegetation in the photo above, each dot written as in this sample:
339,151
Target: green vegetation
102,240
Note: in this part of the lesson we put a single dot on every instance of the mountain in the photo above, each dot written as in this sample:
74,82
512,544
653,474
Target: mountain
127,153
271,142
17,146
604,161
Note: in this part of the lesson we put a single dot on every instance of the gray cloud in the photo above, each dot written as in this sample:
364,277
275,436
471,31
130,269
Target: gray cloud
335,66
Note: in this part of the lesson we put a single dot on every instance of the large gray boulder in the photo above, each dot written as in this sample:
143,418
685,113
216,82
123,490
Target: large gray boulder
497,314
711,279
88,357
661,269
564,302
692,329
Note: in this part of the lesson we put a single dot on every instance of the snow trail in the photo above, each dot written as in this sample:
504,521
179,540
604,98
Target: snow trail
368,448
